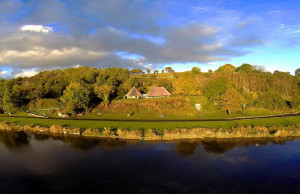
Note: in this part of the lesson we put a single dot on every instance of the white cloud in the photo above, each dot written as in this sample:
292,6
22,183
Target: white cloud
36,28
2,73
26,73
297,31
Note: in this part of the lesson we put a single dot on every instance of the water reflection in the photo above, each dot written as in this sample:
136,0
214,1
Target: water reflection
219,146
70,164
14,140
84,143
187,148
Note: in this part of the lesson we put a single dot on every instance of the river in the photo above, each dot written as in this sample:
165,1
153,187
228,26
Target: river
32,163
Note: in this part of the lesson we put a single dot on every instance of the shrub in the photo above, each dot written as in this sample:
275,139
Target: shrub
271,100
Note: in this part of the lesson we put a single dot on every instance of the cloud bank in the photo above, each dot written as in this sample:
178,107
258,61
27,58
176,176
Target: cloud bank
51,34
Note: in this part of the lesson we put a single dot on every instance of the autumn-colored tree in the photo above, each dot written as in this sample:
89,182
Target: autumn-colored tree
162,71
230,101
148,71
133,71
169,70
228,68
155,71
186,84
139,71
104,92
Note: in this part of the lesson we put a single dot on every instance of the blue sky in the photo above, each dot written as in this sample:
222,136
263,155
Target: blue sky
39,35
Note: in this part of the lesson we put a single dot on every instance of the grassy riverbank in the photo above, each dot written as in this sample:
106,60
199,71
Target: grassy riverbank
270,127
263,122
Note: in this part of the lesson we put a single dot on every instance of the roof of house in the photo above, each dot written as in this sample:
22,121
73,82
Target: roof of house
158,91
134,92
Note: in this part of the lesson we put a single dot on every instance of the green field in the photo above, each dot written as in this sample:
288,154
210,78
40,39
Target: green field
284,121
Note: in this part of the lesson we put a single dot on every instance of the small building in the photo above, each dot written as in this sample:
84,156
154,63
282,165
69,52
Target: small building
133,93
155,92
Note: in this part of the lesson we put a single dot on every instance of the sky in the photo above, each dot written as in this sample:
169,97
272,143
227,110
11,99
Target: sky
38,35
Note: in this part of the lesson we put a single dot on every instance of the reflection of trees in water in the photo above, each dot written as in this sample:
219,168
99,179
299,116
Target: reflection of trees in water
41,137
14,139
187,148
219,146
184,147
84,143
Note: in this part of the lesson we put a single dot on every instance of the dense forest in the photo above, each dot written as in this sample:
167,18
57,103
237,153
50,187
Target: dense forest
229,88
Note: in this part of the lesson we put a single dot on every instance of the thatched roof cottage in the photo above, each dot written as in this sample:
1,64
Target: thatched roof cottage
133,93
158,92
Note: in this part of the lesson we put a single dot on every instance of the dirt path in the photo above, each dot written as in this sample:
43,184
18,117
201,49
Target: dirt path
163,120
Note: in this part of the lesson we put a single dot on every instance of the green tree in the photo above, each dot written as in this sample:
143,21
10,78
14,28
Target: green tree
296,102
215,88
297,72
271,100
132,82
78,95
104,92
228,68
196,70
101,79
112,82
11,96
245,68
230,101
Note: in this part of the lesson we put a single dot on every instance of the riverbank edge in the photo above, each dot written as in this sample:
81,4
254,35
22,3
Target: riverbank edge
162,135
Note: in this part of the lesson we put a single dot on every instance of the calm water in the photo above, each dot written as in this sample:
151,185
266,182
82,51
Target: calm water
39,163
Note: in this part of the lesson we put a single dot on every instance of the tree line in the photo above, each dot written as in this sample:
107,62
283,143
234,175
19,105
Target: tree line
229,88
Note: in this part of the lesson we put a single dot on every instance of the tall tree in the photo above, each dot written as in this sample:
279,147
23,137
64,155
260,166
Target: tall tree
230,101
215,88
78,95
104,92
11,96
186,84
